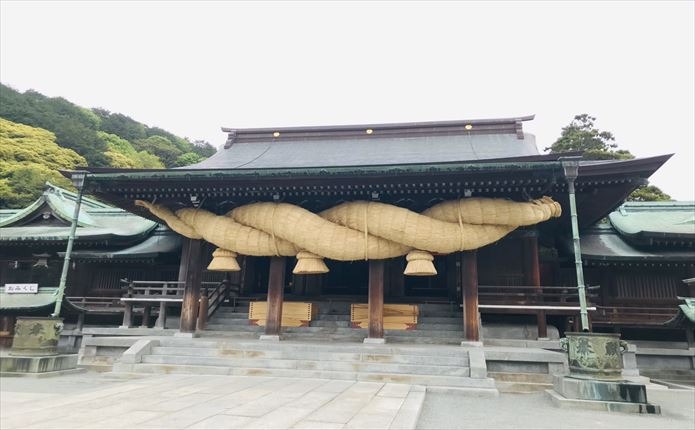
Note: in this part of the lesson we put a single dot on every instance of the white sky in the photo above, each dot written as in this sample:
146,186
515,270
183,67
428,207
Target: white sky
193,67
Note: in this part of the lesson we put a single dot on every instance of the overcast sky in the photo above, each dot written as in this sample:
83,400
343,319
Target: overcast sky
192,68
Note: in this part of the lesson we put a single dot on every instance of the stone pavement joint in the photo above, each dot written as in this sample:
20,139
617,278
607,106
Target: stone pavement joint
105,401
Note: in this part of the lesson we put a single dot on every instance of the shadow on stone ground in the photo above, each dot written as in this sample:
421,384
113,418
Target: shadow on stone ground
535,411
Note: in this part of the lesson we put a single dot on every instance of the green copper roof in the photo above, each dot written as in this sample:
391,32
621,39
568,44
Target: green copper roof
45,297
688,308
602,243
48,220
161,241
62,204
655,218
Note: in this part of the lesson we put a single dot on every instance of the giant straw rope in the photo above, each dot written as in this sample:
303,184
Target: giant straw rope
358,230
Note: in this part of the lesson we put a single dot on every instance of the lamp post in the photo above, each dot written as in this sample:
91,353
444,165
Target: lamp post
78,180
571,168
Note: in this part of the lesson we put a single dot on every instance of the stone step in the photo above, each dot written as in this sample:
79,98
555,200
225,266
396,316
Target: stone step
316,347
425,340
440,320
304,354
335,328
336,366
426,326
214,326
522,387
429,380
241,335
520,377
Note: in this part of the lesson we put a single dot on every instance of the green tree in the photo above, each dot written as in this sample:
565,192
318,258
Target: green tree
29,157
161,147
74,127
648,193
582,135
120,125
203,148
103,138
122,154
188,158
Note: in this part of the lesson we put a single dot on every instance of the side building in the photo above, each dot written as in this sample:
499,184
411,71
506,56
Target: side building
111,245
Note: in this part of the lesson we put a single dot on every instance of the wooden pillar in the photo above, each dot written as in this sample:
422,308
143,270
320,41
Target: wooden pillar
469,285
532,277
190,272
276,292
203,310
376,299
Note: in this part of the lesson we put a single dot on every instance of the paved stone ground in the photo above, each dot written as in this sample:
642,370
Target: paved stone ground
111,401
535,411
118,401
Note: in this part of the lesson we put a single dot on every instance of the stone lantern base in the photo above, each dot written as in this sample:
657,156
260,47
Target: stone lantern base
34,349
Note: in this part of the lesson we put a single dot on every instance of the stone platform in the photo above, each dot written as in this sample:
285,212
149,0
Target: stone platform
17,365
611,396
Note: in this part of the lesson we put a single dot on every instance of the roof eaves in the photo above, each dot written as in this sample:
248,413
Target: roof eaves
192,174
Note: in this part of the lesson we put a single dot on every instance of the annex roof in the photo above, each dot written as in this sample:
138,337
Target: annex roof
162,241
665,229
643,222
48,219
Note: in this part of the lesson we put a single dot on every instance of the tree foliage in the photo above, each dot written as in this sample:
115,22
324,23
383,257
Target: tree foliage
122,154
161,147
73,126
99,137
203,148
188,159
29,157
648,193
582,135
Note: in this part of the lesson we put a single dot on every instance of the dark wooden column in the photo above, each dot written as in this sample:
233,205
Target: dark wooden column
276,293
191,273
469,285
532,275
376,299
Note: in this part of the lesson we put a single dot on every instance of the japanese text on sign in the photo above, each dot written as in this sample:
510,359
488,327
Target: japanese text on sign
21,288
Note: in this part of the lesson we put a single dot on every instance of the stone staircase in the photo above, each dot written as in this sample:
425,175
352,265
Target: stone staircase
329,348
431,365
438,326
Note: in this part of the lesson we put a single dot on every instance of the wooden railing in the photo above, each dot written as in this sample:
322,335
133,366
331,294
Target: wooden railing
633,316
96,305
530,299
212,295
160,294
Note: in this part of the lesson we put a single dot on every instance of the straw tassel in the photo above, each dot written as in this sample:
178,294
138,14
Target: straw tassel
419,264
224,260
309,264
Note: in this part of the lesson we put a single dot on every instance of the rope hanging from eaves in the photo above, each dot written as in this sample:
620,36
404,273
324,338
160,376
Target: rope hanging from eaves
354,230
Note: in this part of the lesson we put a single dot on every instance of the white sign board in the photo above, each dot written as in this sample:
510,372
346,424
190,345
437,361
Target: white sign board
21,288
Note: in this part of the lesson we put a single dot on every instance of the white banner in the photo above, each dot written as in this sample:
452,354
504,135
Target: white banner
21,288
